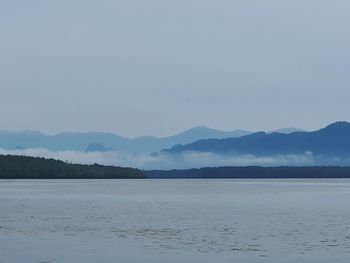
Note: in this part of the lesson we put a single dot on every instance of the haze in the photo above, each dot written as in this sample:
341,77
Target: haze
159,67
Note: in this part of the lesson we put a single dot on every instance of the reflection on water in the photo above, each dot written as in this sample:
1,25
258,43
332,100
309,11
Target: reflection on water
175,220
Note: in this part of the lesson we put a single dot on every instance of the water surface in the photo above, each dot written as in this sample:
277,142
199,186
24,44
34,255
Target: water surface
174,221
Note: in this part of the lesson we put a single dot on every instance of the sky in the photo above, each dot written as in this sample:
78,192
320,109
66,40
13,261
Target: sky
161,66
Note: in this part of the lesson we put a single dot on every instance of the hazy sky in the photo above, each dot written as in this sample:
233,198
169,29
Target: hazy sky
160,66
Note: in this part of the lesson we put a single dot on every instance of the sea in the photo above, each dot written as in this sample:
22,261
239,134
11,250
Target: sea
92,221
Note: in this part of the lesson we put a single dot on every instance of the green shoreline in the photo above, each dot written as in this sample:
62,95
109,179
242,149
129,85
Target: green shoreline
25,167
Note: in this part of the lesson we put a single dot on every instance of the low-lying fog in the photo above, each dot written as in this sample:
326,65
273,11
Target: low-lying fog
180,161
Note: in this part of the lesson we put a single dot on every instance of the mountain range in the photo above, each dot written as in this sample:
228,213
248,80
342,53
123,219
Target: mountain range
94,141
97,141
333,140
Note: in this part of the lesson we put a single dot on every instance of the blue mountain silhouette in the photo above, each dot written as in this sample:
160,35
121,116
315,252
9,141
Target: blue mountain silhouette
82,141
333,140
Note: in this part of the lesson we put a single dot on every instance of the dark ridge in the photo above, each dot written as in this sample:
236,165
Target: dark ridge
97,147
253,172
333,140
24,167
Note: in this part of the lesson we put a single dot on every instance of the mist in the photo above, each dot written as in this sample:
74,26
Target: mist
164,161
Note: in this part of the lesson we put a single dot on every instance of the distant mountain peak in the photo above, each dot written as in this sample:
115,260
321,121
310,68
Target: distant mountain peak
338,124
96,147
288,130
200,128
331,141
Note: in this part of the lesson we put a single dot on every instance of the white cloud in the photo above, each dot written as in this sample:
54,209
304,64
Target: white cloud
166,161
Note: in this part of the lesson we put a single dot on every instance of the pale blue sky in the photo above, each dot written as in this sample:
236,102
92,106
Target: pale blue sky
160,66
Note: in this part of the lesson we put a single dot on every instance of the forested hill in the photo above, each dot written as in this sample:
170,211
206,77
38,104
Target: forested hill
253,172
23,167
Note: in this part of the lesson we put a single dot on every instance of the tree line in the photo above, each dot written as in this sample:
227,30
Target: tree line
255,172
24,167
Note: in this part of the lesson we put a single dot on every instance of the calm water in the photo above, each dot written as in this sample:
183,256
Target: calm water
174,221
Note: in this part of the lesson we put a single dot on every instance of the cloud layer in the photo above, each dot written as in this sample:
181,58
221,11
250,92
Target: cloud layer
165,161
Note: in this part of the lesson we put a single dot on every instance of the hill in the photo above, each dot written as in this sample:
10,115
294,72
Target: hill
69,141
333,140
23,167
252,172
92,141
97,147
